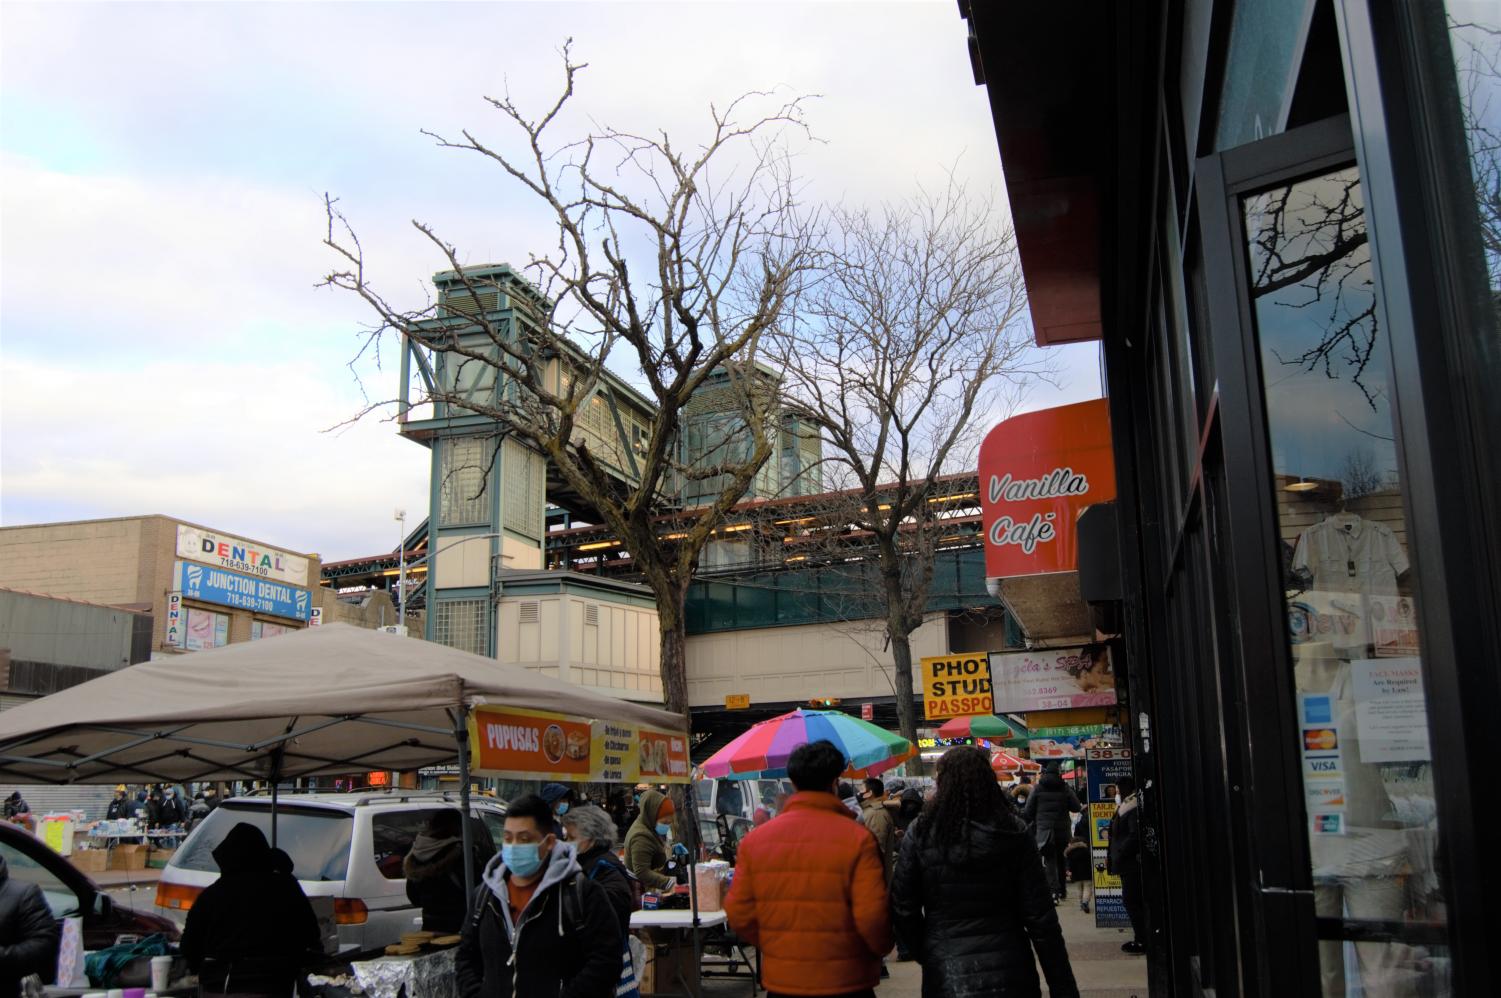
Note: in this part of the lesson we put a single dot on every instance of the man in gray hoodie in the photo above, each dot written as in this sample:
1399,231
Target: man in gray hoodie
537,925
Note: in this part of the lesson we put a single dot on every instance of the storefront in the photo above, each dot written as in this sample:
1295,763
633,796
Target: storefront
1280,220
203,588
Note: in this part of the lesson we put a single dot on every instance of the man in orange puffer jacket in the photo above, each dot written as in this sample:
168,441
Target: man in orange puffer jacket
809,889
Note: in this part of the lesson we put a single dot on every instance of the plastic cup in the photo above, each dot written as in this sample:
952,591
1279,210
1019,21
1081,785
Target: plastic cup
161,972
135,993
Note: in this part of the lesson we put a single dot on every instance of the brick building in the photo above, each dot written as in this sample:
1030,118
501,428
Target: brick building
202,588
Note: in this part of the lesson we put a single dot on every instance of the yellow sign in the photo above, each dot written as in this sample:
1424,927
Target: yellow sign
737,701
956,685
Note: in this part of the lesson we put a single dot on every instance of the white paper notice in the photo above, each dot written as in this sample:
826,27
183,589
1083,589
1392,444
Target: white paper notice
1390,713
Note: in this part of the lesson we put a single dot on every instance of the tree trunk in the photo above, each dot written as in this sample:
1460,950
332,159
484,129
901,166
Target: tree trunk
906,704
672,623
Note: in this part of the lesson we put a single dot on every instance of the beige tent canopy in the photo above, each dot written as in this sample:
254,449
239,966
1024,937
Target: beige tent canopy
322,701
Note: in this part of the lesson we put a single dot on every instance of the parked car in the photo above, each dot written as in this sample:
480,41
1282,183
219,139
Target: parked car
348,847
70,892
738,798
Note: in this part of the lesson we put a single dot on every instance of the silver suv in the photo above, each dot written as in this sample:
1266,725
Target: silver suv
346,847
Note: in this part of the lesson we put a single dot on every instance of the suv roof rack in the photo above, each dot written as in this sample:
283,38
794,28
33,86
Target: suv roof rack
367,795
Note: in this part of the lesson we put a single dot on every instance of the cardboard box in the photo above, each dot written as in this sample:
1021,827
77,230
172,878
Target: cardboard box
159,858
127,856
91,860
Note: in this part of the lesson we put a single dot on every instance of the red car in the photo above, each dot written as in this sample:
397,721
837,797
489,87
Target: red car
70,892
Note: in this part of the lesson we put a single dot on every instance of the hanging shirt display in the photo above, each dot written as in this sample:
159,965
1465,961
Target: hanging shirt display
1349,562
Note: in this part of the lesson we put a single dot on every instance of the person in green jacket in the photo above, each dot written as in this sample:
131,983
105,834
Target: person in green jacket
645,849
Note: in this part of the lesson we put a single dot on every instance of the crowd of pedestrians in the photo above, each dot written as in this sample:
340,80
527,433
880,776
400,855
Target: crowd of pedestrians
964,881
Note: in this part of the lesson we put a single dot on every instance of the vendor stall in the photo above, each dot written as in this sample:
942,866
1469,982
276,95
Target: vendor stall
328,701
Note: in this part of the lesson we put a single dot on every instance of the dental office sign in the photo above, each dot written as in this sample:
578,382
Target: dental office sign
1038,472
239,555
243,592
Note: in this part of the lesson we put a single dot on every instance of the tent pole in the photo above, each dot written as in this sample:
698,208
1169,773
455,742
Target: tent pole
276,760
461,735
274,781
691,806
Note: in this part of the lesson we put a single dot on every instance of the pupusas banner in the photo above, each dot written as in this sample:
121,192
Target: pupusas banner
539,745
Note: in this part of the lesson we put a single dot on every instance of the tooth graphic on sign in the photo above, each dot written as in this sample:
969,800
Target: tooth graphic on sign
195,576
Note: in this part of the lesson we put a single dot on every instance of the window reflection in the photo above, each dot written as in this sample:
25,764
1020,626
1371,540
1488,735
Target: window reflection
1475,37
1351,611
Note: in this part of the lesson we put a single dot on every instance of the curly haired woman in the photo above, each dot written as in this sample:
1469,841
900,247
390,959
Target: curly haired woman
969,898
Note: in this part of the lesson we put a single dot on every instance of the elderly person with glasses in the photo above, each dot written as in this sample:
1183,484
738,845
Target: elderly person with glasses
591,831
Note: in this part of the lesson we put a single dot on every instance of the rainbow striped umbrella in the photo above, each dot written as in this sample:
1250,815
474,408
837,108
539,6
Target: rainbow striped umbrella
763,750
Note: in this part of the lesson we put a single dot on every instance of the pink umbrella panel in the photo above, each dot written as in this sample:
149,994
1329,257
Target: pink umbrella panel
762,752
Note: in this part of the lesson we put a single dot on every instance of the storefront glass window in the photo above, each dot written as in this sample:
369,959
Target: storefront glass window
261,629
1475,37
1351,620
1265,45
206,629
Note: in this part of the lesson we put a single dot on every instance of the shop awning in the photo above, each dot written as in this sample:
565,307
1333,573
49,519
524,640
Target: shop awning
322,701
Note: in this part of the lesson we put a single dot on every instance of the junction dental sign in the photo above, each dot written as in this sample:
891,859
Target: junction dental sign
1038,471
194,544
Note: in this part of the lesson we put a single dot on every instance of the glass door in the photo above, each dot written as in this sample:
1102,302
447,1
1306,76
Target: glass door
1339,642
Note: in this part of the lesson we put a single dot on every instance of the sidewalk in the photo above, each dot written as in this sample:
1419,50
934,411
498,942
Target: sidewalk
1100,967
114,879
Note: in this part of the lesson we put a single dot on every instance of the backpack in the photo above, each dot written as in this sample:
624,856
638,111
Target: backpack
637,887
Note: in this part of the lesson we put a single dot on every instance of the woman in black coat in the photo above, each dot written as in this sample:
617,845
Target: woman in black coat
968,898
1048,811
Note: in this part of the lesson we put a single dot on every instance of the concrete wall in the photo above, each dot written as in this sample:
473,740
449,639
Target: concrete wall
99,561
64,632
793,664
374,610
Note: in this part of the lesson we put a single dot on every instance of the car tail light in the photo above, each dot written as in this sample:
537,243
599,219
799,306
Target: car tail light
350,911
176,896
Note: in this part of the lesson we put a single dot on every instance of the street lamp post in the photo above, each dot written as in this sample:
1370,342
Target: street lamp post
401,577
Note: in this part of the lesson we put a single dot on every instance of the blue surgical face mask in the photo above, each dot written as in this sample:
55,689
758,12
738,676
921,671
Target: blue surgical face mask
522,858
662,829
562,809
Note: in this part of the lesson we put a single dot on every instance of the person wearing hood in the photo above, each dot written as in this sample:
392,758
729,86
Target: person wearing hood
645,843
252,930
434,869
1047,811
559,797
29,935
1124,860
171,811
15,805
539,926
116,807
966,850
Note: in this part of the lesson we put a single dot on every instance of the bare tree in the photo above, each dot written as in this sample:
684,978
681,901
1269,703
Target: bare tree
1359,475
916,327
671,264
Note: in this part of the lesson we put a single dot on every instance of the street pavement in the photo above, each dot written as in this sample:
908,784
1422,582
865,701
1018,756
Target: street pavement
1101,969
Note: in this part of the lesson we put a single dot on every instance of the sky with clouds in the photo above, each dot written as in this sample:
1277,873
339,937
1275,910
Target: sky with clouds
163,345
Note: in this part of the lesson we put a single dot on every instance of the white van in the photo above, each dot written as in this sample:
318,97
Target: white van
348,847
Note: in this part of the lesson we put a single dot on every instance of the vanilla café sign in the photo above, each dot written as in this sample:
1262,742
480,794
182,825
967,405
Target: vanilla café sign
1038,471
1040,529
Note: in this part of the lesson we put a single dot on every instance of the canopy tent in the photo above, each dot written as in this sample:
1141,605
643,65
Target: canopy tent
322,701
